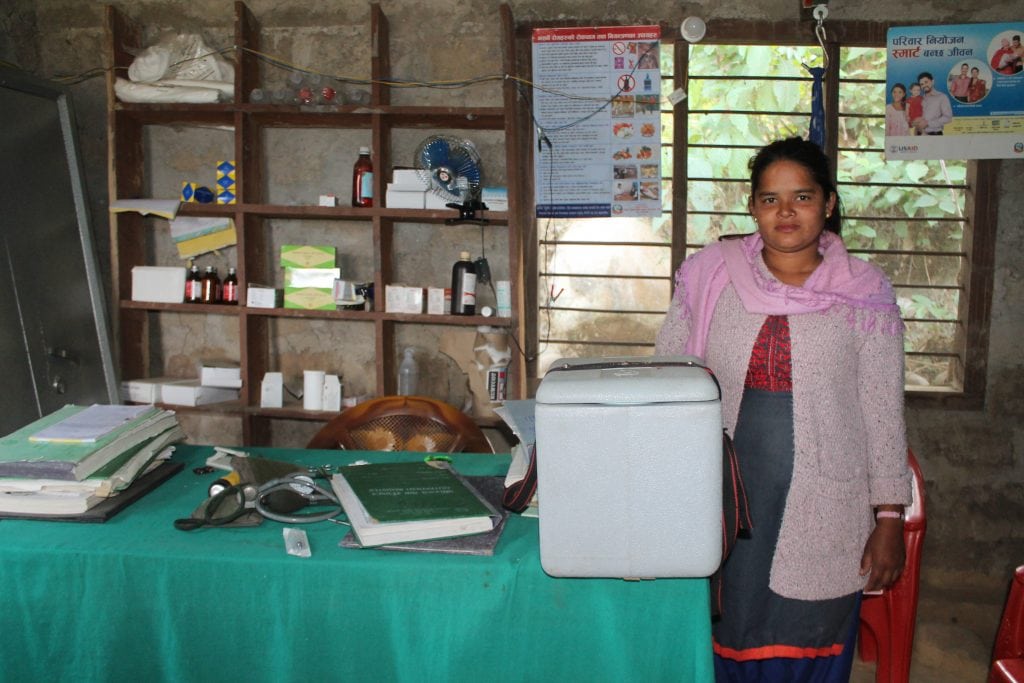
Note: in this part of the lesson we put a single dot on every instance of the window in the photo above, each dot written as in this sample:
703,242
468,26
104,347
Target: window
604,284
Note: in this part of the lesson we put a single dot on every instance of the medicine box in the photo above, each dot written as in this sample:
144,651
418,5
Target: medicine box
436,301
225,376
261,296
496,198
310,298
158,284
192,393
145,390
629,468
407,179
401,299
311,277
307,256
404,199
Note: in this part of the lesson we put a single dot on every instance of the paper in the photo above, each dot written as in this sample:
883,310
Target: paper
189,227
519,416
166,208
90,424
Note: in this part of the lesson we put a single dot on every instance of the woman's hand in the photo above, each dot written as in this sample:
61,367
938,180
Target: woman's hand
884,554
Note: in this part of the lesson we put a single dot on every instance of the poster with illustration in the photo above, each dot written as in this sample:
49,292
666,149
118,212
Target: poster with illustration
597,115
955,92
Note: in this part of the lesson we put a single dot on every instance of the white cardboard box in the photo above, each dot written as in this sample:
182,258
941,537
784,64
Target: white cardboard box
632,482
145,390
272,390
259,296
404,199
401,299
161,284
225,376
407,179
192,393
435,301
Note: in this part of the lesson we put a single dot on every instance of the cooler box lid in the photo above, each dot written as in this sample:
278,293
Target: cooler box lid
627,380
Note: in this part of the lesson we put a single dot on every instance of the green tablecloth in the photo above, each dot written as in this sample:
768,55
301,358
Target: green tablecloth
136,599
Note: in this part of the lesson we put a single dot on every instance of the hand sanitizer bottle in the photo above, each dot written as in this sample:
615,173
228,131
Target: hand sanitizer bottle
408,374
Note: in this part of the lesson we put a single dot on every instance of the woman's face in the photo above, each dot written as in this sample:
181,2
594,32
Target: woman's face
790,208
898,94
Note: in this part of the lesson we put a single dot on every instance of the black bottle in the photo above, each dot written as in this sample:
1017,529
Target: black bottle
464,286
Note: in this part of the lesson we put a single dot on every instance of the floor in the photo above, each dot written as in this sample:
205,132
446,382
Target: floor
953,637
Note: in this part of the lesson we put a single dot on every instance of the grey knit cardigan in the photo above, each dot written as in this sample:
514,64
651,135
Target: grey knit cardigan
849,432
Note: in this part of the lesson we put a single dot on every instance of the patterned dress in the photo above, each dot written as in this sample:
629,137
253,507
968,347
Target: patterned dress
762,636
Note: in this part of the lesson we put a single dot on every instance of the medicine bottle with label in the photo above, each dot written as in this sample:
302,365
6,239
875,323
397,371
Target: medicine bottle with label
464,286
362,179
229,290
194,286
211,286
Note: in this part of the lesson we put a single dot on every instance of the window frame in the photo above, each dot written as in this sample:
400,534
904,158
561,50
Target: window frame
981,207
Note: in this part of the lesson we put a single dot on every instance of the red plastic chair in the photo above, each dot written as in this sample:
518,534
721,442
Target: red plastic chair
887,621
1008,653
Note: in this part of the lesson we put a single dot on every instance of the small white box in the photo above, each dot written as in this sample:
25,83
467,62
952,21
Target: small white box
407,179
260,296
143,390
404,199
435,301
158,283
332,393
272,390
225,376
328,200
401,299
496,198
629,470
192,393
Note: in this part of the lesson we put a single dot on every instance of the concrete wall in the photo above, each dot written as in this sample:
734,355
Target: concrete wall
973,459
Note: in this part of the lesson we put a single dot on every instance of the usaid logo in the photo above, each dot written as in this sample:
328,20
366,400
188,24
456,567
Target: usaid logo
895,149
1018,147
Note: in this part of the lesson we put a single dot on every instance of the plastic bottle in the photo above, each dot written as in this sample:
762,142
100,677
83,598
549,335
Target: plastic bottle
408,375
194,286
362,179
211,286
463,286
229,289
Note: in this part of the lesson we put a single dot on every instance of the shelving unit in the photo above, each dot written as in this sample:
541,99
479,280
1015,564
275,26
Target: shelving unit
252,215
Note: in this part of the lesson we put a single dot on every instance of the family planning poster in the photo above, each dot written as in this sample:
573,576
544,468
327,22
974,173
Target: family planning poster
597,110
955,92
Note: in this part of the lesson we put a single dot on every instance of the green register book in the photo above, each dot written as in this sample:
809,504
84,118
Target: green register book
410,501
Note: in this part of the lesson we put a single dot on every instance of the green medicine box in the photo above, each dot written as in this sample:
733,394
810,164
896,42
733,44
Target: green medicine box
307,256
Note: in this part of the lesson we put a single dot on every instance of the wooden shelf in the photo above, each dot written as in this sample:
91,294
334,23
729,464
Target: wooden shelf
253,215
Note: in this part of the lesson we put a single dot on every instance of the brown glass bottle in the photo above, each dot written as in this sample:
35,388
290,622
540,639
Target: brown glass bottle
194,286
229,289
211,286
362,179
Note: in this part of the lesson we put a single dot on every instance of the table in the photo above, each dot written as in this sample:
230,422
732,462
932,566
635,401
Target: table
136,599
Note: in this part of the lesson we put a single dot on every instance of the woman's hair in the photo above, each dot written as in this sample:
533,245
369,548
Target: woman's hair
808,155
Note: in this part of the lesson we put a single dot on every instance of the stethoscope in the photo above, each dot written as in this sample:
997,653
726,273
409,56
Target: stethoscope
277,500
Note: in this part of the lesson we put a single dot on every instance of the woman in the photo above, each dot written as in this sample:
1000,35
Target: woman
807,344
896,122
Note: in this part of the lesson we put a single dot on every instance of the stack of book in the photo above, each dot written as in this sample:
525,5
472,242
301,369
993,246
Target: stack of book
78,458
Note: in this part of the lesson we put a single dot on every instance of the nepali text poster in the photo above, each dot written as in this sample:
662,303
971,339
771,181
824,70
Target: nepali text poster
955,92
597,108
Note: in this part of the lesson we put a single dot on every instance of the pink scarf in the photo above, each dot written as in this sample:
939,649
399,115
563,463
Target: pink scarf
839,279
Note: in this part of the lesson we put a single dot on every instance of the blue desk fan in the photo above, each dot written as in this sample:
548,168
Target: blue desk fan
450,168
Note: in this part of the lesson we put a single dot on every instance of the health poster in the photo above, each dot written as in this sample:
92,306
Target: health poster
955,92
597,110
